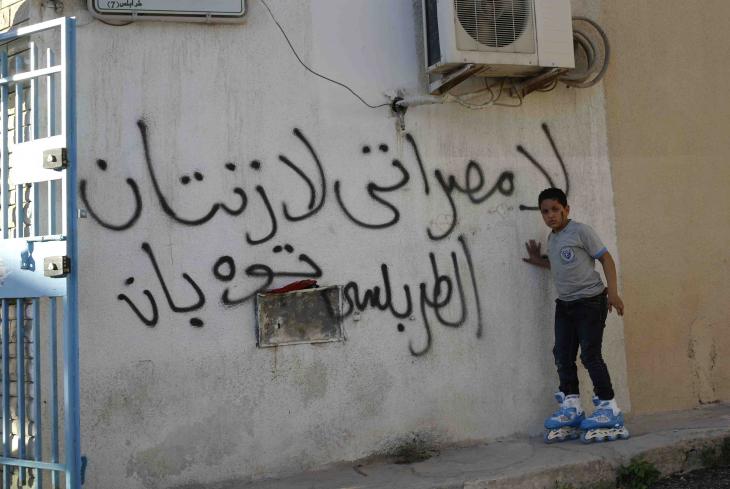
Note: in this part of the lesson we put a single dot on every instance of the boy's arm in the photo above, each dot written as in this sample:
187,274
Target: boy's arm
609,269
534,256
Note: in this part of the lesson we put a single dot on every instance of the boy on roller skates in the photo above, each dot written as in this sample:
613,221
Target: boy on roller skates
580,316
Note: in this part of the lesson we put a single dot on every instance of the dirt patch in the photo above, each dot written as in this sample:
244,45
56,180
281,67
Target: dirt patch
714,478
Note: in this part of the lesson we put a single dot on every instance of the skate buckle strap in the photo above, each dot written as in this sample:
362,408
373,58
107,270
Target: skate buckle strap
565,414
602,415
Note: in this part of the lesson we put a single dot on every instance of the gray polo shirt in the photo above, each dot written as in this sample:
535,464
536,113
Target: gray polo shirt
572,253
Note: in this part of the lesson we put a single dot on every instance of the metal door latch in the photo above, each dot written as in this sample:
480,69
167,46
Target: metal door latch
55,159
56,266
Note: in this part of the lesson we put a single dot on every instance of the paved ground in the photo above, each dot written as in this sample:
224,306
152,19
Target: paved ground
674,442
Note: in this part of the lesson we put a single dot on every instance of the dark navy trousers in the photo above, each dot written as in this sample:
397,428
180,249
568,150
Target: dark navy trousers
580,323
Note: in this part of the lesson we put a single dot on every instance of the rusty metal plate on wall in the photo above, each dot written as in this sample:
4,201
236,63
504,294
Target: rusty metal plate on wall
303,316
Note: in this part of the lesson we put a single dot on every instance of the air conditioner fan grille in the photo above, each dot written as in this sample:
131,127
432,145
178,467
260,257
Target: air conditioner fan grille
494,23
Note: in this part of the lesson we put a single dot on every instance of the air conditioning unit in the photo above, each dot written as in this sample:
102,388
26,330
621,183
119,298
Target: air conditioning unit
497,37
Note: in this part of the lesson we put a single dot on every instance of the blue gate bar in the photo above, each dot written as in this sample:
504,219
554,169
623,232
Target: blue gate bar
53,347
51,94
27,75
19,218
20,377
54,388
22,457
19,96
52,196
35,134
53,315
70,300
36,231
37,406
7,424
64,198
51,131
4,97
32,29
31,464
35,113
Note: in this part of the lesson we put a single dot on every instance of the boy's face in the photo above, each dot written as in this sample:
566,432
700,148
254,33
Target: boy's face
554,214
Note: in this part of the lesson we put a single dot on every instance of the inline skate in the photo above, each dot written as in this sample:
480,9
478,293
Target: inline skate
564,424
605,424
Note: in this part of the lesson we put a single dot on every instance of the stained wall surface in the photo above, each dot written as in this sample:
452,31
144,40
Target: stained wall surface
668,138
13,13
214,165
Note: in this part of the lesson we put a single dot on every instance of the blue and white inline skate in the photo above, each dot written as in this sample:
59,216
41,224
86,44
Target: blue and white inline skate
565,423
605,424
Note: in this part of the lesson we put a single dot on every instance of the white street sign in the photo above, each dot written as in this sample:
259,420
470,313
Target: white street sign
185,10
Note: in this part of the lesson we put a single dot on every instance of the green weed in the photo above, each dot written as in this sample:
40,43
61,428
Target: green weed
716,456
638,474
415,448
564,485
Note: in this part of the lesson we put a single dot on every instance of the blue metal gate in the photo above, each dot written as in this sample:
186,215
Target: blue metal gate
38,257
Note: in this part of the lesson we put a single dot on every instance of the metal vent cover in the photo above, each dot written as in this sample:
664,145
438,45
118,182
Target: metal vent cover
494,23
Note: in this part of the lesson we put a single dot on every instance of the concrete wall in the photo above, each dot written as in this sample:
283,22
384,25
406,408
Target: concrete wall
13,13
668,124
177,121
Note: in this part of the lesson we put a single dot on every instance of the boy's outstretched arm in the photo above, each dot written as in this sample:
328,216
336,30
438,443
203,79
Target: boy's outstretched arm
534,256
609,269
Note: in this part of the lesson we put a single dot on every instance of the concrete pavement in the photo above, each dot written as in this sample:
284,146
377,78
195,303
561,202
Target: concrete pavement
672,441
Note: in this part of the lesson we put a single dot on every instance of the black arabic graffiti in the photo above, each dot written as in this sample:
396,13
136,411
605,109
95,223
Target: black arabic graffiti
225,271
474,186
374,190
470,188
429,299
312,208
537,165
198,304
102,165
432,298
162,200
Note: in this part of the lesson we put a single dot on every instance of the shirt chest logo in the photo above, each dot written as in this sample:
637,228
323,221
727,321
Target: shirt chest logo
567,254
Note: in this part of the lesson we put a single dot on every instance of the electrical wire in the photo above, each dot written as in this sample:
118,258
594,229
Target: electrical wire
550,87
468,105
502,104
387,104
499,96
461,101
448,98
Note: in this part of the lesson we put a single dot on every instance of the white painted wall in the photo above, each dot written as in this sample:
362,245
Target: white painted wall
175,404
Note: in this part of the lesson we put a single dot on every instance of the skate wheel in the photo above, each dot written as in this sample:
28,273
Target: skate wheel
550,440
584,439
613,437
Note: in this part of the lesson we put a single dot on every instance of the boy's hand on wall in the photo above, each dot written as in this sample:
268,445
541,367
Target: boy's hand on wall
615,301
534,256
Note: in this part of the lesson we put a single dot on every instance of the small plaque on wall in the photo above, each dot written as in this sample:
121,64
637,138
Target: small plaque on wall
303,316
172,10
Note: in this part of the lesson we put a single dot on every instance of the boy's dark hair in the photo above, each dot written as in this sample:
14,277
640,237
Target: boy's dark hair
553,193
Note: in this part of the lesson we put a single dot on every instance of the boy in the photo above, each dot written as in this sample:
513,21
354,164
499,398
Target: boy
580,316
